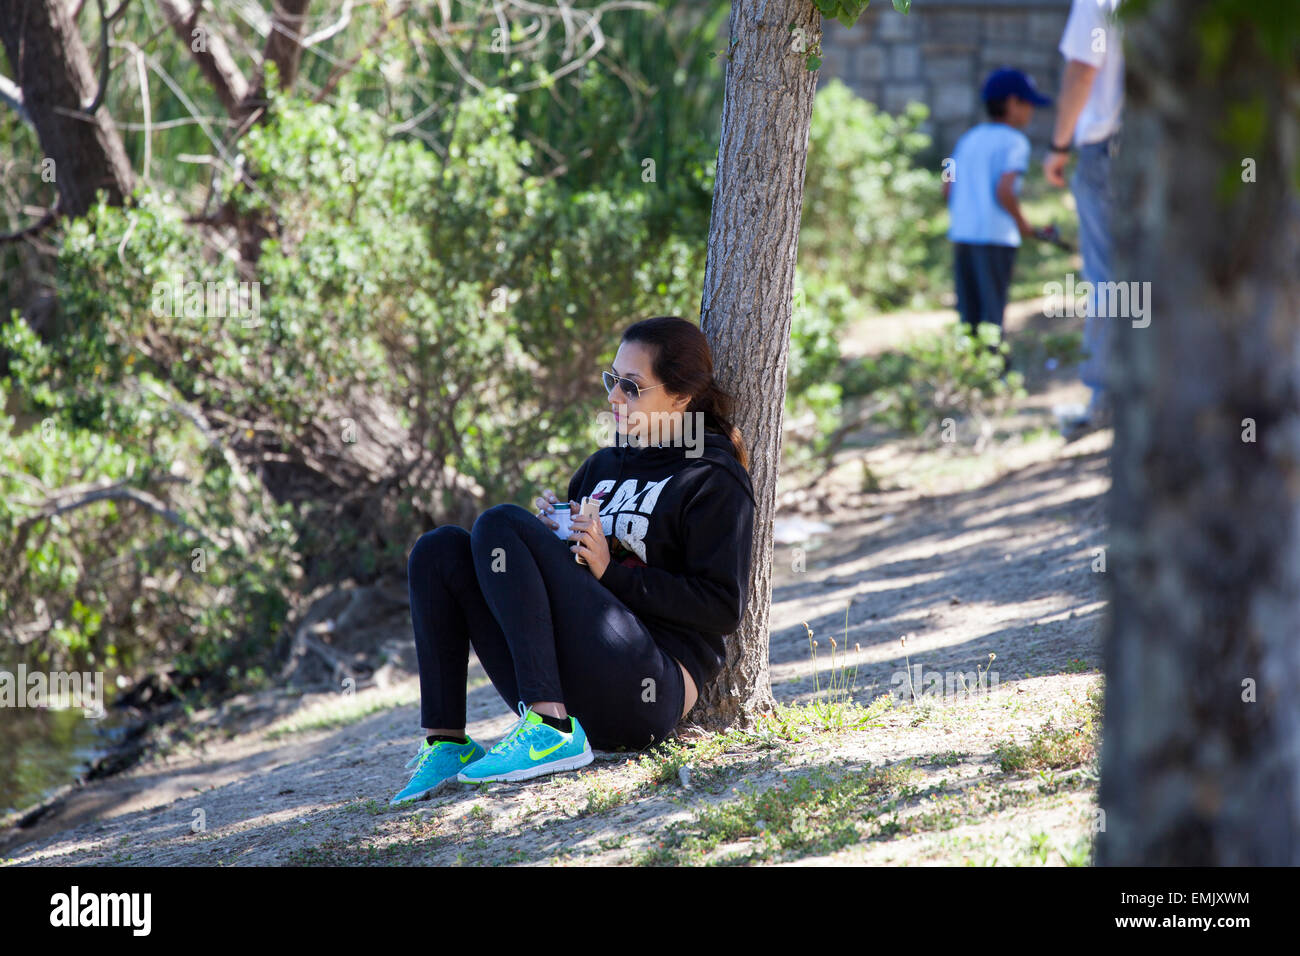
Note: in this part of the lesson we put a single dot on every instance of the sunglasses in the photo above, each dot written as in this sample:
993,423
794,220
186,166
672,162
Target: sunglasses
630,388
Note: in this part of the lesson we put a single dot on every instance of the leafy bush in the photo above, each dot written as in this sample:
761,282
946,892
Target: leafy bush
949,374
108,491
813,392
868,204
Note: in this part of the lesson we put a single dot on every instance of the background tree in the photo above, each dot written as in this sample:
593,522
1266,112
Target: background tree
63,102
1201,753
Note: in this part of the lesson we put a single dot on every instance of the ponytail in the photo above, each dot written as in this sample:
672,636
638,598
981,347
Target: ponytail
717,406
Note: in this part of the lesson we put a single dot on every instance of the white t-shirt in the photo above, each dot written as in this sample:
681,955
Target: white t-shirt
1092,35
980,157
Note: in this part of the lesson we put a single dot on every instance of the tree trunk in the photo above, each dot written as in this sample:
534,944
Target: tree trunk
284,45
1201,754
54,71
748,291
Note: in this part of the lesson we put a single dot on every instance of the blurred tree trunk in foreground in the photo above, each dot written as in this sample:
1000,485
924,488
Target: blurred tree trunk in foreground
1201,754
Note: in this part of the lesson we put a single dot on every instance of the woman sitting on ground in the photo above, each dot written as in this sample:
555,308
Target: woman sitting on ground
611,652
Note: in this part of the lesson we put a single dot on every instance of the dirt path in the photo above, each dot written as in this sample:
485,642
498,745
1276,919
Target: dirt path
970,556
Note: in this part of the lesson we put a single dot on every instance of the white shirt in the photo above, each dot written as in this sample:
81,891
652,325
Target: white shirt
1092,35
980,158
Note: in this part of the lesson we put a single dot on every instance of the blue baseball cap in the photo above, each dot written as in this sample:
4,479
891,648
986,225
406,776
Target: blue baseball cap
1007,82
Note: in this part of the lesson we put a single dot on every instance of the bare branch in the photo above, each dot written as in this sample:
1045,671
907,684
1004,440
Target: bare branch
222,151
142,77
341,71
105,25
39,225
320,36
212,55
64,501
12,95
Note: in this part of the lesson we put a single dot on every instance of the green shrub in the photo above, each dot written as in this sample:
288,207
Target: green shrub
868,203
108,491
949,374
813,394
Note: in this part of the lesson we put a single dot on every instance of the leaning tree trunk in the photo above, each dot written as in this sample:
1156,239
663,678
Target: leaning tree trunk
748,291
54,71
1201,760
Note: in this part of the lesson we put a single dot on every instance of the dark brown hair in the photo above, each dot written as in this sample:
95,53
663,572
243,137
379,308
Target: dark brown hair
683,361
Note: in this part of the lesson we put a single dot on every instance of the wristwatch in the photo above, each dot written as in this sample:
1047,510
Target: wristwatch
1053,148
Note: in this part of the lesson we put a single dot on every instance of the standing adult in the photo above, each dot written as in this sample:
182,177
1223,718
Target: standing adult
1088,120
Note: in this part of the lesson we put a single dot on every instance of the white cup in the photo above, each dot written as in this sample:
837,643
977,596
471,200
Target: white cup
562,517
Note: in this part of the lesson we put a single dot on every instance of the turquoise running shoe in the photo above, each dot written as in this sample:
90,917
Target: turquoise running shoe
440,762
531,748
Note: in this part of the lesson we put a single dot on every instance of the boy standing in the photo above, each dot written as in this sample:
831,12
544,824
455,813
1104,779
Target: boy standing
986,220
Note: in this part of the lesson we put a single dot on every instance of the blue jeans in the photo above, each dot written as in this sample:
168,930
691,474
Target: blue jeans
1094,199
543,627
983,275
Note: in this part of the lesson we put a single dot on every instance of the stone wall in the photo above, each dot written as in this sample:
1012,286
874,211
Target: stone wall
940,53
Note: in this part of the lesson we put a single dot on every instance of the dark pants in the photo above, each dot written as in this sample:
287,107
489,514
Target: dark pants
983,274
543,627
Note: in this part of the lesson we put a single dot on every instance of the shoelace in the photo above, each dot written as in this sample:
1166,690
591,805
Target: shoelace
428,754
424,758
505,741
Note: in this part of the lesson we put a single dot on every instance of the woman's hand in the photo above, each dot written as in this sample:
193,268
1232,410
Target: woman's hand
545,503
590,543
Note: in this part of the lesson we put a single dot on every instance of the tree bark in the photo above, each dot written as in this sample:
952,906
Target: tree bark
748,292
54,71
1204,572
283,46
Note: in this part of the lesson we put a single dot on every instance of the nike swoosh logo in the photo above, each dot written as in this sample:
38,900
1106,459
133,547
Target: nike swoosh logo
536,754
465,759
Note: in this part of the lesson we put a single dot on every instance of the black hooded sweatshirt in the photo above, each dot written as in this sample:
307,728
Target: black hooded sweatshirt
679,523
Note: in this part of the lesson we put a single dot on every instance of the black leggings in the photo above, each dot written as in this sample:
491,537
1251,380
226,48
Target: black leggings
543,627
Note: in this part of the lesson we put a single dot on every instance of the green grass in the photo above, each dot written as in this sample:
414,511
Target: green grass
1053,746
602,796
949,759
1038,849
817,813
832,708
801,813
371,807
